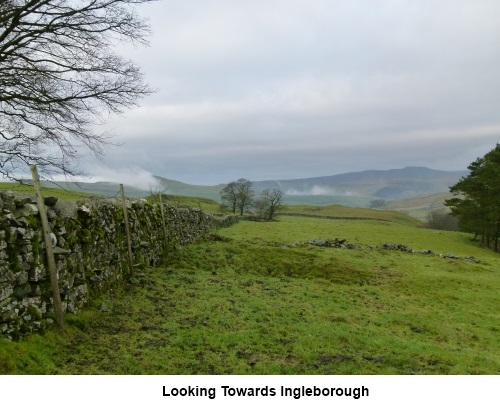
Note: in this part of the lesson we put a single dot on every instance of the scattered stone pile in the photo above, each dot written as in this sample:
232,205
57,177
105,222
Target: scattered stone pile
343,244
401,248
334,243
404,248
90,248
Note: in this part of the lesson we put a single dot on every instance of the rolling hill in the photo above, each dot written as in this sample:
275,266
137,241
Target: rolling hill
356,189
391,184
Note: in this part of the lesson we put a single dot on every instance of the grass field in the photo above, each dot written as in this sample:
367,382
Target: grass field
340,211
63,194
206,204
258,302
419,207
73,194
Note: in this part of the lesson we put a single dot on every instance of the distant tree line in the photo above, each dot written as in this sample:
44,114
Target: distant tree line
476,201
239,197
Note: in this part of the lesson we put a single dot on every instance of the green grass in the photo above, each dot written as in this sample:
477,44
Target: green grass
291,229
321,200
206,204
350,212
74,194
60,193
254,304
419,207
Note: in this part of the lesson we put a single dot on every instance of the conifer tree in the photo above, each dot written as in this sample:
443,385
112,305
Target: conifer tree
477,198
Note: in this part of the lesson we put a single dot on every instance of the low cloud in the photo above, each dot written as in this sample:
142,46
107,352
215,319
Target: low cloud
130,175
319,190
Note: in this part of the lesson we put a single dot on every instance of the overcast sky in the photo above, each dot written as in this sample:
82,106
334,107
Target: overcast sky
281,89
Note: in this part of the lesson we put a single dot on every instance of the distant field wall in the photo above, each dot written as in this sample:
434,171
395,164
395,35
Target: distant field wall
90,247
332,217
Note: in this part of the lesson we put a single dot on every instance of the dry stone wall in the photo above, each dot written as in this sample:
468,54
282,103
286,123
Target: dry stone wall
90,248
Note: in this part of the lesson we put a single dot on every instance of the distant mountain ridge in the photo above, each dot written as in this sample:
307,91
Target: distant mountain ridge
354,189
384,184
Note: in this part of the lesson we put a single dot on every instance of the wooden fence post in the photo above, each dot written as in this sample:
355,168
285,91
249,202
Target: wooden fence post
51,262
163,224
127,232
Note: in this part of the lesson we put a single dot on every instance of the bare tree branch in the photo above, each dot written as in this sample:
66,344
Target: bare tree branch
60,78
268,203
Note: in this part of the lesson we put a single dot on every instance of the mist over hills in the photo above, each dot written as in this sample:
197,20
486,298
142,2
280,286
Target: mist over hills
354,189
390,184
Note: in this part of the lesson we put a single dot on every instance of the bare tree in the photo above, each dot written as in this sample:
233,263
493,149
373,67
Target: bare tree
228,196
244,194
440,219
269,202
60,78
238,195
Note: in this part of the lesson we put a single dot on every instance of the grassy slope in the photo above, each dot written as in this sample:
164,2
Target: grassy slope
69,194
251,306
72,191
419,207
179,188
63,194
205,204
342,211
327,200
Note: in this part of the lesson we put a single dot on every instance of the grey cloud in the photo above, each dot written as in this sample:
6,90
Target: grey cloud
283,89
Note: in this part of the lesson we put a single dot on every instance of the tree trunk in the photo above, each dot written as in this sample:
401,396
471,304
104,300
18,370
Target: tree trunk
496,236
